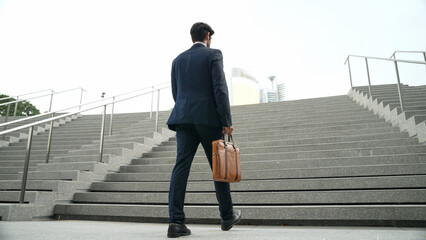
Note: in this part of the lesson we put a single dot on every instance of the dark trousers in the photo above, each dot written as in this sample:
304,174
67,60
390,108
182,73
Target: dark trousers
188,137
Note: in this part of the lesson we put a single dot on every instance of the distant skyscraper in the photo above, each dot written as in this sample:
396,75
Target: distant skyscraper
281,92
273,93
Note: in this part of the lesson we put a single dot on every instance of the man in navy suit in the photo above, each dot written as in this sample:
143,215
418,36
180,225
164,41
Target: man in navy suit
201,115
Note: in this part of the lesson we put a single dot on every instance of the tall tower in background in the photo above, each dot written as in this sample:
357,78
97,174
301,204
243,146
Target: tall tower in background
281,92
273,92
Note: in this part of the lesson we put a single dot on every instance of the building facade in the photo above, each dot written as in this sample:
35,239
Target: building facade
243,87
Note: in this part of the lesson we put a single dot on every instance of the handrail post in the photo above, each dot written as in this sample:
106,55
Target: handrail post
152,101
101,145
7,113
81,99
399,87
16,108
26,166
158,107
112,115
350,73
51,101
369,83
5,120
424,56
49,140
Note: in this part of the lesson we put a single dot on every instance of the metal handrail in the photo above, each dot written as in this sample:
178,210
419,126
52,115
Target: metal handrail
8,104
50,107
387,59
396,70
18,101
80,105
53,118
17,96
424,53
53,92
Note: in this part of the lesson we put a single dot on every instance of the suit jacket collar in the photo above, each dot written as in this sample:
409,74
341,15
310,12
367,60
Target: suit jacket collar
197,45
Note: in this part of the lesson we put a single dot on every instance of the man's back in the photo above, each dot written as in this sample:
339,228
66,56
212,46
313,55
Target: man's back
199,88
192,71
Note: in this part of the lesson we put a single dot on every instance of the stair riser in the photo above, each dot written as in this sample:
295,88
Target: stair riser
274,157
285,214
310,153
400,182
203,166
382,170
325,197
306,146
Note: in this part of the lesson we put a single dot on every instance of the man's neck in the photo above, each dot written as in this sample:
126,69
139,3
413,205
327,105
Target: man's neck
201,43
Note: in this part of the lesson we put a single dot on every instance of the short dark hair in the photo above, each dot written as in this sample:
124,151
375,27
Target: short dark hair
199,31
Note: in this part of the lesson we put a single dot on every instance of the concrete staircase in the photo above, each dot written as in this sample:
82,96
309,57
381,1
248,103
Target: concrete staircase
324,161
385,103
74,162
20,135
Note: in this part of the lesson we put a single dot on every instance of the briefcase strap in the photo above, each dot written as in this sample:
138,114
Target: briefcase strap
226,159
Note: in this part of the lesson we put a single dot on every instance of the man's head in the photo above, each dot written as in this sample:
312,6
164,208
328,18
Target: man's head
201,32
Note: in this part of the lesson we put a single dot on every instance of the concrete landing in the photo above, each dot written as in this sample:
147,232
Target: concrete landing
81,230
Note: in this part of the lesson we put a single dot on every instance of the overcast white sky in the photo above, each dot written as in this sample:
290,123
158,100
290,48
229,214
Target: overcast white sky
117,46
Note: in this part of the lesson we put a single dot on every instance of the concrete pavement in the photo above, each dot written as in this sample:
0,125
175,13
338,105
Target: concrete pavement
93,230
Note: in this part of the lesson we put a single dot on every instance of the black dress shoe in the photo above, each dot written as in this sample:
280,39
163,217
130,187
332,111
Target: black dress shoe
228,224
177,230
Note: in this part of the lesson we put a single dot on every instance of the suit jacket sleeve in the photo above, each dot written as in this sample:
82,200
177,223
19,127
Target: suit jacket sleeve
221,90
174,84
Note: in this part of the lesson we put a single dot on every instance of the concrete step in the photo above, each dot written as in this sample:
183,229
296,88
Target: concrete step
8,177
81,158
20,163
127,137
419,118
416,108
315,132
407,196
306,146
112,151
296,152
107,145
405,119
35,197
299,111
248,117
276,157
289,173
82,166
412,113
317,184
70,175
45,185
293,135
368,214
293,116
13,170
312,124
39,156
42,146
202,164
10,152
286,140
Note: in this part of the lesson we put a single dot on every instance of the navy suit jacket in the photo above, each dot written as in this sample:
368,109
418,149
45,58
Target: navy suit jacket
199,89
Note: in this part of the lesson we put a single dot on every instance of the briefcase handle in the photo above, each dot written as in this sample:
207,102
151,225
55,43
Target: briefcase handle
230,139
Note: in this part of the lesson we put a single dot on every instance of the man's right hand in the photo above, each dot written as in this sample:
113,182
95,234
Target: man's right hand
228,130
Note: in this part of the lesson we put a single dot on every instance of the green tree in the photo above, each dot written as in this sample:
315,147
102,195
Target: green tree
25,108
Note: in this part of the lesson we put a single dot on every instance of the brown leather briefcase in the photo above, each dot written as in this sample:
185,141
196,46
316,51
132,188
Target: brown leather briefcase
226,161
